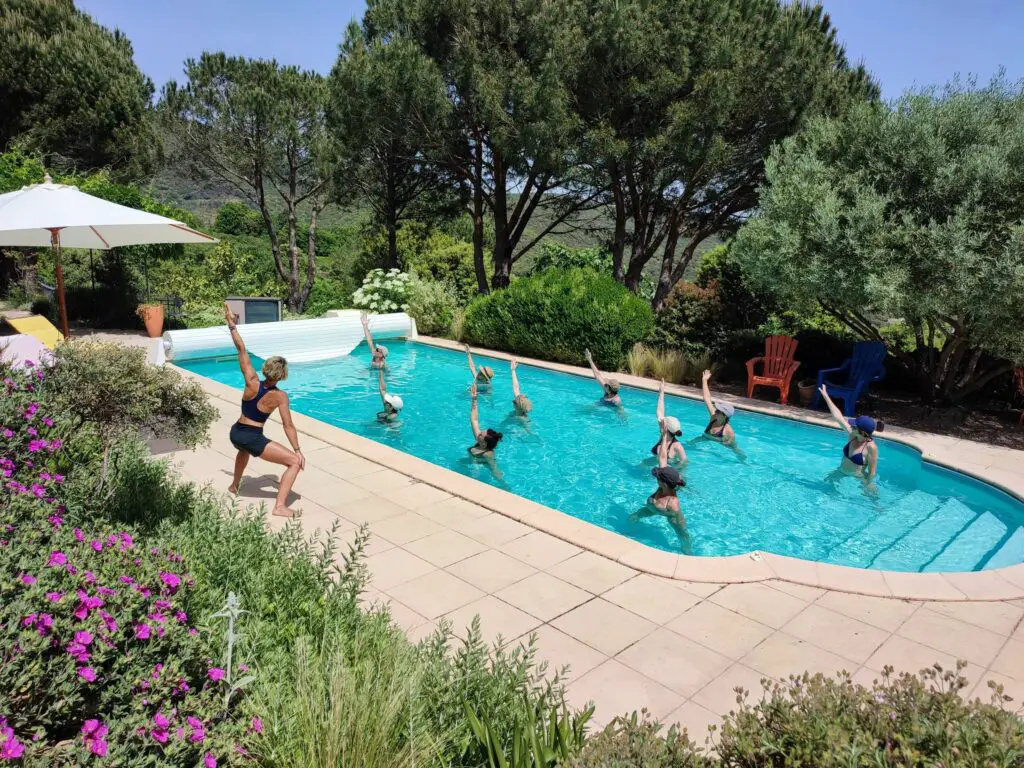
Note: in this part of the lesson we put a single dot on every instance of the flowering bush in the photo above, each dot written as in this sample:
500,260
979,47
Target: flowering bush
383,291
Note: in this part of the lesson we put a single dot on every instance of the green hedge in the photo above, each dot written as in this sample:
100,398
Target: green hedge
556,315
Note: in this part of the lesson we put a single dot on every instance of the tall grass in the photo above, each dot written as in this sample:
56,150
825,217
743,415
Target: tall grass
672,365
349,704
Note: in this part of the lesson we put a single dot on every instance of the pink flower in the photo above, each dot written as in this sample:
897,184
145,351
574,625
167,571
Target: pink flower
55,520
83,637
157,670
93,737
257,725
216,674
160,720
10,747
88,674
45,623
54,597
30,620
26,579
79,536
57,558
142,631
209,761
97,545
172,580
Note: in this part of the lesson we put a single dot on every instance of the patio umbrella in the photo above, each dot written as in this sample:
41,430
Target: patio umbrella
62,216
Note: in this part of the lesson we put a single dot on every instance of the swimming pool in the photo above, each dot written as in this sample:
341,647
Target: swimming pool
591,462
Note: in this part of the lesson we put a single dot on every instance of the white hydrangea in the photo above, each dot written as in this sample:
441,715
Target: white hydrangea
383,290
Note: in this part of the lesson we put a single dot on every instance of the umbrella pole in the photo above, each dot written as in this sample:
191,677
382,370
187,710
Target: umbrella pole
62,308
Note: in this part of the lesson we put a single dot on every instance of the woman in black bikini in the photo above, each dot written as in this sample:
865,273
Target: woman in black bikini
486,440
259,400
609,386
860,454
378,352
664,500
721,414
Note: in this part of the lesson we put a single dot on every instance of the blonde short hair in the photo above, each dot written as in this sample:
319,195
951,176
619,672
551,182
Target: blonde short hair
612,386
275,368
522,403
485,372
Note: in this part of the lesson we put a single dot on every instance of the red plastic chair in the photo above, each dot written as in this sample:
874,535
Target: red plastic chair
1018,382
778,366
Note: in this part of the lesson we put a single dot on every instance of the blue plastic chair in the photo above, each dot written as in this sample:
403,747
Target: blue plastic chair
866,365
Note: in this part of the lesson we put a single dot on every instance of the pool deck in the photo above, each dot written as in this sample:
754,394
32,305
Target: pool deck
637,626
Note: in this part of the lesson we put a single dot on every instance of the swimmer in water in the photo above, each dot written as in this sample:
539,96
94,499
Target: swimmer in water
485,440
520,401
392,403
483,375
609,386
664,500
721,413
860,454
378,351
669,425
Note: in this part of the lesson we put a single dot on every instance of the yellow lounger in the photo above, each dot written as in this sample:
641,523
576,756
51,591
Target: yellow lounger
38,326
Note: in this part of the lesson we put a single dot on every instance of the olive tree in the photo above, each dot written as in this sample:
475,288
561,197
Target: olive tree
914,212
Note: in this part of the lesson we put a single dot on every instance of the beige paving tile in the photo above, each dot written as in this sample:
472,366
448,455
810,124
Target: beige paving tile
491,570
452,511
491,529
1012,687
759,602
603,626
543,596
701,589
866,677
384,480
951,636
801,591
1000,618
852,639
616,689
881,612
498,619
395,566
416,495
720,629
559,651
403,617
591,572
540,550
782,655
696,720
652,598
434,594
374,545
401,529
424,631
343,464
444,548
369,510
674,661
720,694
907,656
1010,660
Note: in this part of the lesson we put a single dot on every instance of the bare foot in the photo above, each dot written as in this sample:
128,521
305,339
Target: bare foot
233,489
287,512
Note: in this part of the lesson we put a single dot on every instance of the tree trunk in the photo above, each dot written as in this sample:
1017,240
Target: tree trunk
311,252
619,235
501,256
478,216
666,278
268,221
392,224
294,297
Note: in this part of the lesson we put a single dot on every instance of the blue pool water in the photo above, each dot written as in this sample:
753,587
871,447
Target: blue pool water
591,462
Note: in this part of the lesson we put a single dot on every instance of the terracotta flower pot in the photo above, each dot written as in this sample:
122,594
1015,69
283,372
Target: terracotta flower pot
153,316
806,389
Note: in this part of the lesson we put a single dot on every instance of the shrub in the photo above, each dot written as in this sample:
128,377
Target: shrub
558,256
43,307
432,305
383,291
556,315
237,218
326,295
632,741
447,261
110,388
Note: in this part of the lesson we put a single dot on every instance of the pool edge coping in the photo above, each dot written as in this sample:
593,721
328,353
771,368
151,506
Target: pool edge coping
993,585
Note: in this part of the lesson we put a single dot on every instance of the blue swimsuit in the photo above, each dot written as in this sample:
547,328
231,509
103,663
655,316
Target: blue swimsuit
857,458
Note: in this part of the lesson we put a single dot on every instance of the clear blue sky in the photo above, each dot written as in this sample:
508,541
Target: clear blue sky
903,42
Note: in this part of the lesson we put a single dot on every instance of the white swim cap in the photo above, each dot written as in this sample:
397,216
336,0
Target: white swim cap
394,401
672,426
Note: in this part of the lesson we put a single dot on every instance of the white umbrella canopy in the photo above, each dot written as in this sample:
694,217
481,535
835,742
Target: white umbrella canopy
64,216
